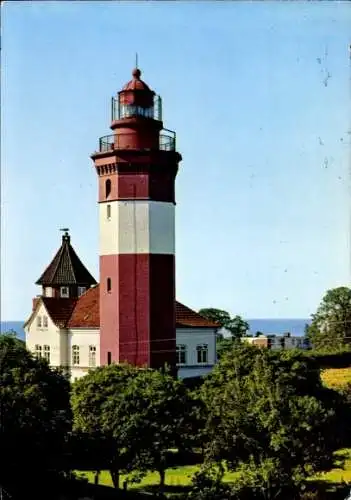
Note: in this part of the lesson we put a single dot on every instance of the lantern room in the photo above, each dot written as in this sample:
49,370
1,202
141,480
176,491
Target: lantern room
136,99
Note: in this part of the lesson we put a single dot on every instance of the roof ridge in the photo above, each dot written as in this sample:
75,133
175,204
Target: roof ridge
59,257
70,248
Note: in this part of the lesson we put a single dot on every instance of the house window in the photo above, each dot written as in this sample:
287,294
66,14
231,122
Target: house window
109,358
108,212
181,354
109,286
39,321
47,353
202,353
45,321
81,290
107,188
92,355
64,291
75,355
38,351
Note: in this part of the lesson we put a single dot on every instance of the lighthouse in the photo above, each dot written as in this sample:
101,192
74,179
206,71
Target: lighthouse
136,166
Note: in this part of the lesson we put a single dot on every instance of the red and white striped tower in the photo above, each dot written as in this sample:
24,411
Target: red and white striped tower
137,166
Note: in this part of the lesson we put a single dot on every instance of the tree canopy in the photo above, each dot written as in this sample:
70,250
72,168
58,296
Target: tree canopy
269,419
236,325
35,414
142,412
331,324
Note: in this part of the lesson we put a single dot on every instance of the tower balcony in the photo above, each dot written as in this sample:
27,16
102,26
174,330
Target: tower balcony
165,141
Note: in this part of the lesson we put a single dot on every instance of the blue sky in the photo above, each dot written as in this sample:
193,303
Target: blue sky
258,94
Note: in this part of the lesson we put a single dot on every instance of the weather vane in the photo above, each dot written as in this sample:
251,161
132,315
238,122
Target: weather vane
64,229
136,60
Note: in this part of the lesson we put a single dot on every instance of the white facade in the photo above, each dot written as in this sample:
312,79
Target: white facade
78,349
197,346
135,226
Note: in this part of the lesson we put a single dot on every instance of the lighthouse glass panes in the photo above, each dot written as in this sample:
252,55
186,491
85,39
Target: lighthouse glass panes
181,354
202,353
122,110
75,355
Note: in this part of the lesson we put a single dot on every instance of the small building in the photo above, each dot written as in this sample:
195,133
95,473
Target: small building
277,342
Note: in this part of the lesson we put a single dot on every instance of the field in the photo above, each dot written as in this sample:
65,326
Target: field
336,377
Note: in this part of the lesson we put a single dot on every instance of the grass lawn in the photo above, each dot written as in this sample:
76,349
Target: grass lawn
180,477
338,475
336,377
177,477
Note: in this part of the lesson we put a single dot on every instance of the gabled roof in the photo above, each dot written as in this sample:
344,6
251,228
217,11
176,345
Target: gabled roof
186,317
66,268
59,310
85,312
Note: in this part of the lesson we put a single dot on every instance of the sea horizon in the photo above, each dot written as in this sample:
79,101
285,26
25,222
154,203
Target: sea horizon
278,326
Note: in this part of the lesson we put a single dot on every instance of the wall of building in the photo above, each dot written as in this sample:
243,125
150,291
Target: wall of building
191,338
83,338
136,226
44,336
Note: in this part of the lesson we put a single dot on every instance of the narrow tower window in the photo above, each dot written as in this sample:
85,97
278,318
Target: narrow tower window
107,188
109,357
108,212
109,284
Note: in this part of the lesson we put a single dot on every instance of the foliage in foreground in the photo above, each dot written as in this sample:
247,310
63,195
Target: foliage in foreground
35,416
269,418
331,325
142,413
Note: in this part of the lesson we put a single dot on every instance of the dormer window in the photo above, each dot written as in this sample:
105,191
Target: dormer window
64,292
81,290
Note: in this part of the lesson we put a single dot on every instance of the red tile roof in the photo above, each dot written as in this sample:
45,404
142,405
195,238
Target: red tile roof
85,312
59,310
66,268
186,317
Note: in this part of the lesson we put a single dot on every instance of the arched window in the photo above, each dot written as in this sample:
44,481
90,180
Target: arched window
107,188
109,284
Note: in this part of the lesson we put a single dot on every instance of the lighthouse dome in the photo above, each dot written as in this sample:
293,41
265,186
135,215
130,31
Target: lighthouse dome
136,83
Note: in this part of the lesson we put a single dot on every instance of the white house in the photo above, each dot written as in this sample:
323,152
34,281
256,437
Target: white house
65,321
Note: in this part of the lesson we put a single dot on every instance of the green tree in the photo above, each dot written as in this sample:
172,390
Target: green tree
236,325
35,416
160,414
331,325
98,410
269,419
143,413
